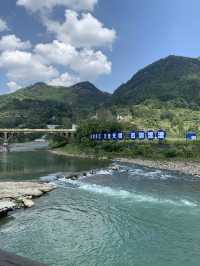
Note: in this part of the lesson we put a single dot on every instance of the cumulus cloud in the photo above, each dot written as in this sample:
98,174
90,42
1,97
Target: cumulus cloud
82,32
40,5
73,55
3,25
11,42
64,79
24,67
56,53
13,86
89,64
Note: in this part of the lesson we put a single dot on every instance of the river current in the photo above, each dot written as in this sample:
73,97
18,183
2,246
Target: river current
135,216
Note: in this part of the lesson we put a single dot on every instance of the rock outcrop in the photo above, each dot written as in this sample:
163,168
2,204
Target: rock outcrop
6,205
15,195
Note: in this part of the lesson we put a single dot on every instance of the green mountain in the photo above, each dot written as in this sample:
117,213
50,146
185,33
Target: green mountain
164,94
40,104
175,79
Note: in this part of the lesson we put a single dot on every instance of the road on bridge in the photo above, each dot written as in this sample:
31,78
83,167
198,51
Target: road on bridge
37,130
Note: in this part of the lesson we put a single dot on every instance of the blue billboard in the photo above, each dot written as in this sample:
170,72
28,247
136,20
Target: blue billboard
105,137
150,135
133,135
192,136
114,136
93,136
161,134
141,135
120,135
109,136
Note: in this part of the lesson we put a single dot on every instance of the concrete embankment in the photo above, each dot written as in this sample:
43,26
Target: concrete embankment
15,195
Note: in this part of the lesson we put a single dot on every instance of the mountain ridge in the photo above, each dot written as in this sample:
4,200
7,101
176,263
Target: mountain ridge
166,79
174,80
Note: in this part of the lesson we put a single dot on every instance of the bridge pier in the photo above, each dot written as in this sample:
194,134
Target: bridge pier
5,146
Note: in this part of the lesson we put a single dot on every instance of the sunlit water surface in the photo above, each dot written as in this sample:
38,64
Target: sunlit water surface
137,216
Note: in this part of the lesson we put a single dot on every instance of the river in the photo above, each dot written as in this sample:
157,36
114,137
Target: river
136,216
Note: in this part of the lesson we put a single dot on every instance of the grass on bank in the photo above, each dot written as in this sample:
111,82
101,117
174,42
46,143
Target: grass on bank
153,151
174,148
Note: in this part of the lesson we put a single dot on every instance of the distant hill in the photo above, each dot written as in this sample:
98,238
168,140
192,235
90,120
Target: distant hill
40,104
174,78
168,84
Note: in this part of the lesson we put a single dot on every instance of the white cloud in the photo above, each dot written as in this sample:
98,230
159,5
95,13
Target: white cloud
40,5
13,86
3,25
56,53
11,42
64,80
82,32
75,50
23,67
89,64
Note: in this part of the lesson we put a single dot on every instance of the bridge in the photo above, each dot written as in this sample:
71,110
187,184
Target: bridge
7,133
40,130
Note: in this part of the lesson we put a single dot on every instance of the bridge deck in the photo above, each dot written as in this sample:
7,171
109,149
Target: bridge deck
40,130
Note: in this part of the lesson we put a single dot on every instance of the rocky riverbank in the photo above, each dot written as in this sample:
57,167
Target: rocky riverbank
15,195
184,167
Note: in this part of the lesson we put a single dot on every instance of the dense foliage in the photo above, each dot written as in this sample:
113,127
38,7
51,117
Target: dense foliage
175,79
40,105
165,94
90,126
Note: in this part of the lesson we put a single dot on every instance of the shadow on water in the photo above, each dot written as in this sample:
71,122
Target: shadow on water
6,220
34,164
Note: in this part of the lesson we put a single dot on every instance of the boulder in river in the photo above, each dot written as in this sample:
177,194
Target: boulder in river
73,175
115,168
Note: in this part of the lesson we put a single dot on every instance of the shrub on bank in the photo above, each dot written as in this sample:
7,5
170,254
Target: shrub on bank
152,150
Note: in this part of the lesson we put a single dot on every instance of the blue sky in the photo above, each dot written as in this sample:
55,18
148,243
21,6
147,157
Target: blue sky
107,45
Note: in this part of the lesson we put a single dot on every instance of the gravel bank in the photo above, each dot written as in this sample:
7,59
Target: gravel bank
190,168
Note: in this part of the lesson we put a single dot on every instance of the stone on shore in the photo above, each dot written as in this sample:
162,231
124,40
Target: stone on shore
15,190
6,206
28,203
189,168
15,195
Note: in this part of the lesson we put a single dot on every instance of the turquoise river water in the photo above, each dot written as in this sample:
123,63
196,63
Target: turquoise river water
136,216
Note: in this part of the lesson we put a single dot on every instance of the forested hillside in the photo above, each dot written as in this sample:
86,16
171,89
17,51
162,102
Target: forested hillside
164,94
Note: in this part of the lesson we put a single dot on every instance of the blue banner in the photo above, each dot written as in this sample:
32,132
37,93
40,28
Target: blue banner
114,136
192,136
133,135
120,135
150,135
141,135
161,135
